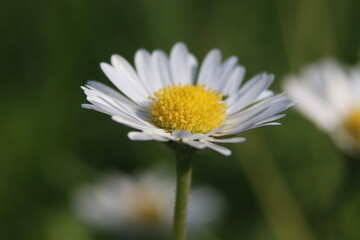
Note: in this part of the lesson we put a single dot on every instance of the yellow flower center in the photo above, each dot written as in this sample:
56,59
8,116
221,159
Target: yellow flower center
194,108
352,124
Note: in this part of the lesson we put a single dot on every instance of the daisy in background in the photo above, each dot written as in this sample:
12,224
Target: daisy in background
141,205
329,94
167,99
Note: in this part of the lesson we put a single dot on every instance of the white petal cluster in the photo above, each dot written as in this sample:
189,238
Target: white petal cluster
249,105
327,93
141,204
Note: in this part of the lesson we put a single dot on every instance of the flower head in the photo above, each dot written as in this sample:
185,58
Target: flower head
142,204
167,99
329,95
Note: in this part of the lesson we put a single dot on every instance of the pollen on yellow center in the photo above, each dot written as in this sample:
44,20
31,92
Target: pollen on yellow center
194,108
352,124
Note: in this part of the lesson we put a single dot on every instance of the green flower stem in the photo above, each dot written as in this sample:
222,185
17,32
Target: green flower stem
183,182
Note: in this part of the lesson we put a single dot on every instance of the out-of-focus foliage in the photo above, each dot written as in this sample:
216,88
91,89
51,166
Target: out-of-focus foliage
283,183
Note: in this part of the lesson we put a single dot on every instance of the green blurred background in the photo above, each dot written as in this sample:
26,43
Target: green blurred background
283,183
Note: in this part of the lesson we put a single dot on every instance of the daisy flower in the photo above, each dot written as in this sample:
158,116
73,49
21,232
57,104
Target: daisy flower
141,204
166,98
329,95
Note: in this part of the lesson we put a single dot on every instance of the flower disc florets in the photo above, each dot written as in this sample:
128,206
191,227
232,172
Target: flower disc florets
194,108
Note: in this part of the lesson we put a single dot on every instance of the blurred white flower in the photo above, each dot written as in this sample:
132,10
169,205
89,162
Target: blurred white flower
168,99
143,204
329,95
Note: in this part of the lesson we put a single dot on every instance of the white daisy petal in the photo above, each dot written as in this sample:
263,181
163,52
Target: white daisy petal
181,134
263,104
199,136
122,65
264,94
274,109
234,81
261,119
209,68
103,106
226,69
246,115
143,67
226,140
266,124
121,104
256,81
111,92
99,109
127,72
236,129
193,64
182,64
119,107
257,114
249,92
142,136
227,77
130,122
195,144
130,87
220,149
161,68
270,119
